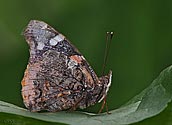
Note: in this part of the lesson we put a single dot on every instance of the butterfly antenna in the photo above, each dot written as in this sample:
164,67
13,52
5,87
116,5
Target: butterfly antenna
109,36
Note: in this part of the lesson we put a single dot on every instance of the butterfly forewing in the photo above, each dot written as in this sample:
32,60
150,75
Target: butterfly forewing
57,76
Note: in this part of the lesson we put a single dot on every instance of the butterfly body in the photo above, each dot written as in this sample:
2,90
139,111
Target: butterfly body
57,76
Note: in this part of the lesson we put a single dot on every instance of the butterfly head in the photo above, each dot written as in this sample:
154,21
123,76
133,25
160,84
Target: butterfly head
105,81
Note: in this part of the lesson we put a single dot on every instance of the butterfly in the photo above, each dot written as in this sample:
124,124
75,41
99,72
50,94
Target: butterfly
57,76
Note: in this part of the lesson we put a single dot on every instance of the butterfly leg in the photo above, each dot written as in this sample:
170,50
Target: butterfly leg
103,105
76,104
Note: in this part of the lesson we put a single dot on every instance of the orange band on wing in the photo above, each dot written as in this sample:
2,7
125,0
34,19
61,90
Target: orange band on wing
76,58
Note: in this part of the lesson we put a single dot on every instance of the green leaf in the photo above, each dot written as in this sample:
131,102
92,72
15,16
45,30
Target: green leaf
150,102
164,118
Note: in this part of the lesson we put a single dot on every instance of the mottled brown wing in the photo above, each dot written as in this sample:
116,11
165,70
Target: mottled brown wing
57,76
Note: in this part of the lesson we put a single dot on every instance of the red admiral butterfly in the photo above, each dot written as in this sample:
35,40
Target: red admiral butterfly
57,76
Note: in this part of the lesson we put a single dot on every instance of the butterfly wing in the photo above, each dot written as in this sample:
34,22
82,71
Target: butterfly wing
57,76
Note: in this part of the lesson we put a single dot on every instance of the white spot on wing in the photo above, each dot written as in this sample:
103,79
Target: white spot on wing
56,39
53,42
59,37
72,63
40,46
